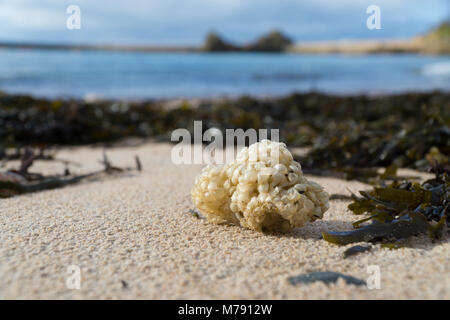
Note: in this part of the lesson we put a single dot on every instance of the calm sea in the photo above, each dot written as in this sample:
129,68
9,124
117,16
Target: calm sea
170,75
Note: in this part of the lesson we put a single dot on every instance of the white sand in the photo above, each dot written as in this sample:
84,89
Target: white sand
136,228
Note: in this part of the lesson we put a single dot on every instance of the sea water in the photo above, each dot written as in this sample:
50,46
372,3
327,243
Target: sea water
131,75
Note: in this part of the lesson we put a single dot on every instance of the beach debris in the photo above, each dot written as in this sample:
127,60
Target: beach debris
124,284
13,177
194,213
138,163
398,211
326,277
263,189
26,161
16,182
355,250
8,189
109,168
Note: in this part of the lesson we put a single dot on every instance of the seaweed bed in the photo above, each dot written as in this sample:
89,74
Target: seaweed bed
355,131
348,137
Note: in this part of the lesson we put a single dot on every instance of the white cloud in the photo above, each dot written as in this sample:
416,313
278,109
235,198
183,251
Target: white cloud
186,20
20,16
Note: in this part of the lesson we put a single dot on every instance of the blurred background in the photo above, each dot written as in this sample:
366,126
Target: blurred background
208,48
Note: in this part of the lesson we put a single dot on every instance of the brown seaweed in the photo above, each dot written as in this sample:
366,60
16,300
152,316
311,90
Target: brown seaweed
346,133
411,223
355,250
399,211
326,277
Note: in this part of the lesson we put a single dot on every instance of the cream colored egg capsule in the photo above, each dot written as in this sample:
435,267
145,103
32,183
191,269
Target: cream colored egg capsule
263,189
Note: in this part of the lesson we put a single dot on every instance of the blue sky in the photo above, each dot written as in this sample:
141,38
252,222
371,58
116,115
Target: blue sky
185,22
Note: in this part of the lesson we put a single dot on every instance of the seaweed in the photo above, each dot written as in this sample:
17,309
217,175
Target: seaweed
355,250
401,243
326,277
348,136
398,211
366,175
337,196
412,223
366,146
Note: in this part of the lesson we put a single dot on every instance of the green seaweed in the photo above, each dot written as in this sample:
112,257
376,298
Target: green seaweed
340,197
394,245
435,231
403,197
398,211
411,223
361,205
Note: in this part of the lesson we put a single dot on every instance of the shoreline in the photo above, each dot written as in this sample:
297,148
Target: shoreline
393,46
362,46
172,102
88,47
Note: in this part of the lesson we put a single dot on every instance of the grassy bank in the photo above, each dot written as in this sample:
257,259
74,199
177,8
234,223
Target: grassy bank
437,41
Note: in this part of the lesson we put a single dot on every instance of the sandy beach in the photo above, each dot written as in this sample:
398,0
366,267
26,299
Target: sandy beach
133,238
361,46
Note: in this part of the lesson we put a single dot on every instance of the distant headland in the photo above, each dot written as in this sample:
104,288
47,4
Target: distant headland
436,41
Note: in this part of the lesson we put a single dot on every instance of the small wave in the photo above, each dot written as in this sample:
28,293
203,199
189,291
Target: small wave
437,69
285,76
92,97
